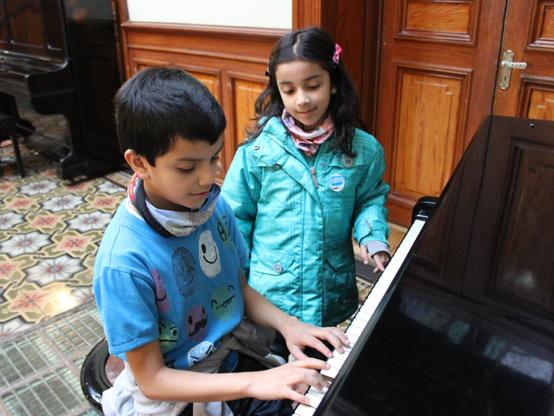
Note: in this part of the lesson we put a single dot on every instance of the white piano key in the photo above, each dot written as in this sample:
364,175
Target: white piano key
330,372
381,286
315,396
303,410
341,357
363,316
335,362
353,339
358,323
354,330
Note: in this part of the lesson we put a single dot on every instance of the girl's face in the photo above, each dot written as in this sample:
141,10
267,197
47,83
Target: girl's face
305,89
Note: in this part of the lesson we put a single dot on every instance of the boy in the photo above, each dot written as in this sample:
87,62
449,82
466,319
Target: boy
168,280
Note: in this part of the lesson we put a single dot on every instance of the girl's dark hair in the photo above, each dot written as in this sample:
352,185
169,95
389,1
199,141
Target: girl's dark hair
157,105
312,45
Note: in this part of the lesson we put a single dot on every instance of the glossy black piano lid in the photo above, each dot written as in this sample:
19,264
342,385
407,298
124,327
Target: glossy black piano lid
470,328
32,27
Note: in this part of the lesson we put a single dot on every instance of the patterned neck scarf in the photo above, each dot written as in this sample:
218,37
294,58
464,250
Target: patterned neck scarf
170,223
308,141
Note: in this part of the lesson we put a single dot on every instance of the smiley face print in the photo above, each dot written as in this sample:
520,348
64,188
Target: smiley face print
209,254
223,301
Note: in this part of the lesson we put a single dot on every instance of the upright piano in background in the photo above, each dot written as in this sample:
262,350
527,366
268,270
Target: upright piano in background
463,324
59,70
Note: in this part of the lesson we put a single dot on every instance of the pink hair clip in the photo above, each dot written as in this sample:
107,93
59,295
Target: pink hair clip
336,55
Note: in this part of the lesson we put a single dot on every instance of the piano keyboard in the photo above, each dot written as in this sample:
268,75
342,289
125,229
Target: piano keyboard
354,331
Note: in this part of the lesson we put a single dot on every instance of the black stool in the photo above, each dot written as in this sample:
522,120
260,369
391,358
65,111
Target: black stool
98,372
8,129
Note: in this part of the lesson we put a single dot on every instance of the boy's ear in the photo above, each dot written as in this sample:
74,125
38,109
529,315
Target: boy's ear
138,163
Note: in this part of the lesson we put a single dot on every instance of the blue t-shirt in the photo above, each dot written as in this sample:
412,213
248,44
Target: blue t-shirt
184,291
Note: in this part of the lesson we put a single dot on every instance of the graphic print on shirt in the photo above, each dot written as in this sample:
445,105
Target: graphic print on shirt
223,230
162,301
223,301
184,271
197,321
199,352
209,254
169,335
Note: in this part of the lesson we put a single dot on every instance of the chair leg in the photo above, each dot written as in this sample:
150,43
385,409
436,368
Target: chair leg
18,155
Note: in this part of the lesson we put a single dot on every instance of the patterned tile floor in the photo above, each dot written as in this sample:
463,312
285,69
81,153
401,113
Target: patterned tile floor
49,234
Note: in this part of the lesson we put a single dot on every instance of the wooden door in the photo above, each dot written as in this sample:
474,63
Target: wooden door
529,35
438,70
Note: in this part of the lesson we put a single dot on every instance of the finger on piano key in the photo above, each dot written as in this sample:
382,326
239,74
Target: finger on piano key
303,410
333,370
315,396
353,339
340,357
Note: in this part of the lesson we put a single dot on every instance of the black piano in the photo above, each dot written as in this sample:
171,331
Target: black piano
463,322
59,70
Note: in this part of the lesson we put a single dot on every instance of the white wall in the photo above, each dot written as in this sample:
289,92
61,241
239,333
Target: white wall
249,13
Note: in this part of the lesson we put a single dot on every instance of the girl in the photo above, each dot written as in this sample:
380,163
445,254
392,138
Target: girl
305,180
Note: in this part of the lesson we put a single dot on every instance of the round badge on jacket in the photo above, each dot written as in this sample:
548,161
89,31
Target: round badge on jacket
336,182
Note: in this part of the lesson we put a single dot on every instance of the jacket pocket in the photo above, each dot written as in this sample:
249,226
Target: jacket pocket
273,276
340,261
274,263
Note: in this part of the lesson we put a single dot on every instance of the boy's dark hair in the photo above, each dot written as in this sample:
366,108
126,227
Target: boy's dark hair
312,45
156,105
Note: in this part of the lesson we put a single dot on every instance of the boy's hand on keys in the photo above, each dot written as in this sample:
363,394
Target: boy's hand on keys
299,336
289,381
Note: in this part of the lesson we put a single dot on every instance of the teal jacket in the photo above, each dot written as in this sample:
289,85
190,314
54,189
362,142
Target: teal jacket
297,217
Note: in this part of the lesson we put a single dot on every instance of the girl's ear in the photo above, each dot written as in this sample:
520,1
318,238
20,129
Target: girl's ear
138,163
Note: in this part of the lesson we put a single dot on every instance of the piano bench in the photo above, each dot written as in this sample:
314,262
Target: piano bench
8,129
98,373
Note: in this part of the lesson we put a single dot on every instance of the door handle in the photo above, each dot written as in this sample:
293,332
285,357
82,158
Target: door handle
506,66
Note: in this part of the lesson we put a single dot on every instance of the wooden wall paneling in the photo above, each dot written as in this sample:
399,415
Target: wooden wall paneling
432,152
536,98
461,57
542,31
229,61
244,90
244,51
453,21
226,44
210,77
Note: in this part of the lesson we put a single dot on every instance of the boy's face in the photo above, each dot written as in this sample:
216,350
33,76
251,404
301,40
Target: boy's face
183,176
